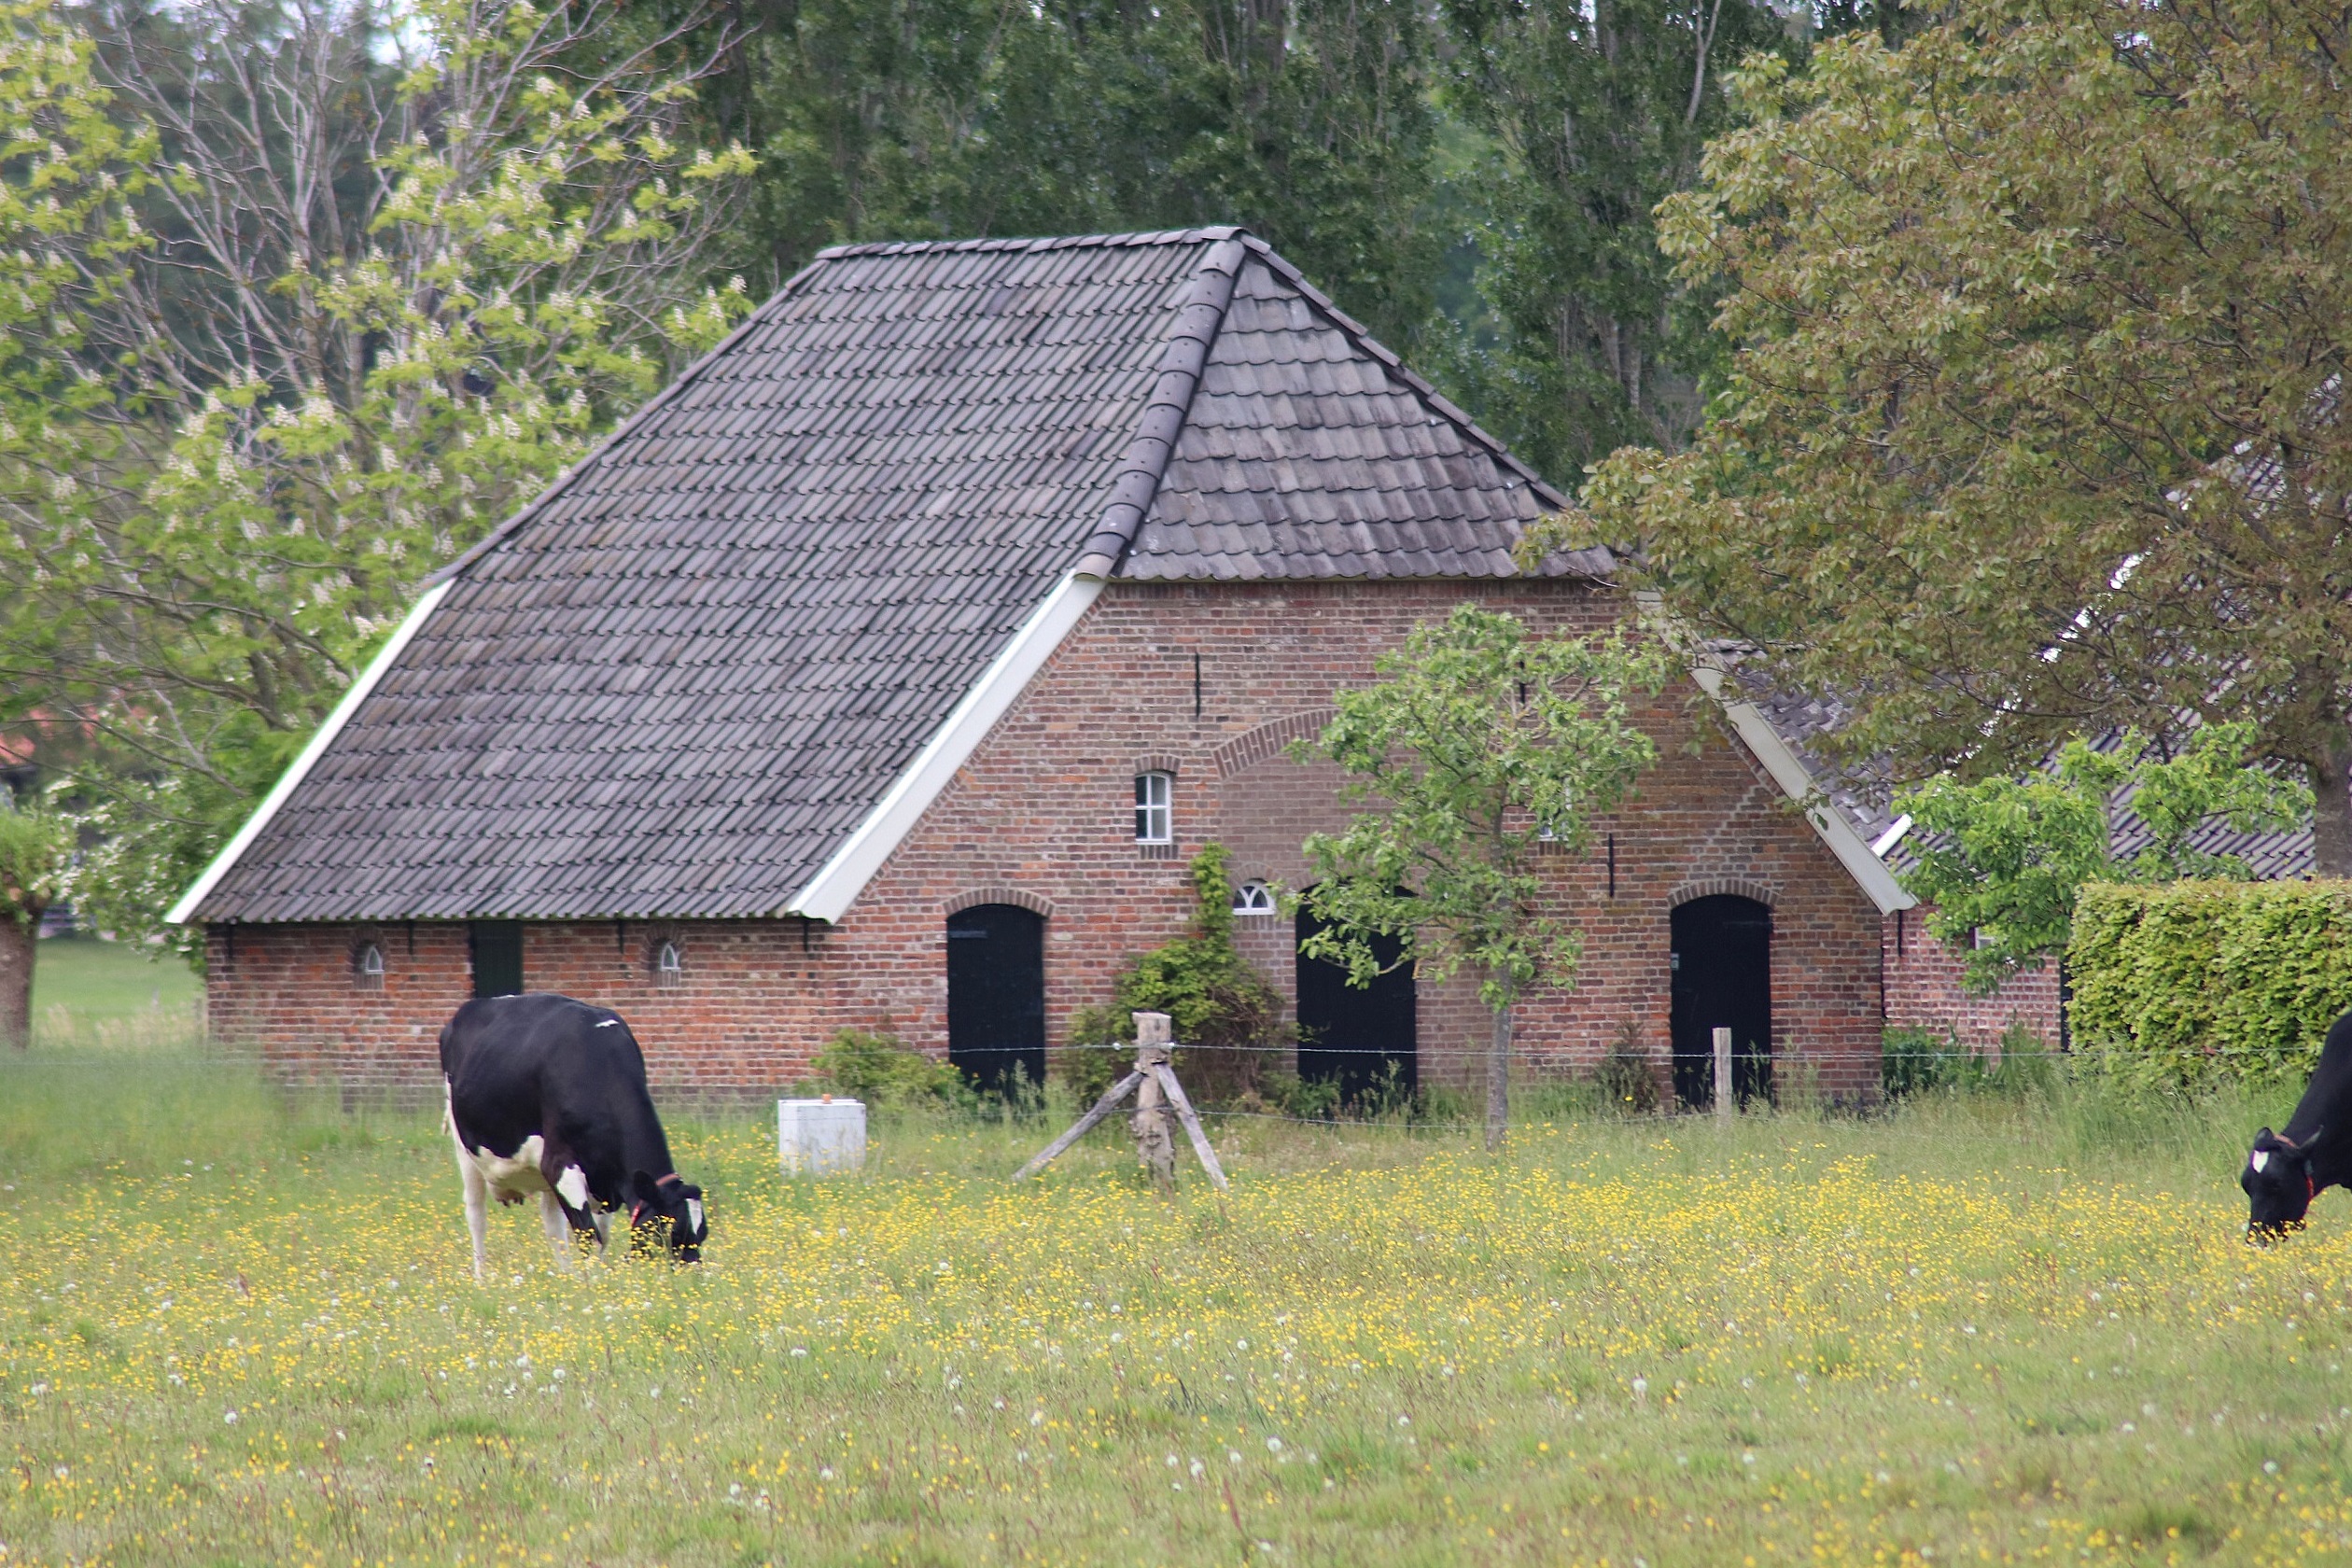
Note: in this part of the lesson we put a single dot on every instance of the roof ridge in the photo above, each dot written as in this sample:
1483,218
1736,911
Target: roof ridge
1209,234
1198,321
1362,336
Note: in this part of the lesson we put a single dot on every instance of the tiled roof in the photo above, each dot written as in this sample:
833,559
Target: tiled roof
674,684
1865,798
1311,453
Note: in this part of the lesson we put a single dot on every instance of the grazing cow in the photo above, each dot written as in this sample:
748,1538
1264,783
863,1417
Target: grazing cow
2287,1170
547,1096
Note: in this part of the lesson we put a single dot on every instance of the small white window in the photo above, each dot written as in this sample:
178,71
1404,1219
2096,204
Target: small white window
369,967
669,968
1154,795
1253,898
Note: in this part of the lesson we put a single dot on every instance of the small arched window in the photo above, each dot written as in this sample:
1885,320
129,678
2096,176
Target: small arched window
670,965
1155,808
367,967
1253,898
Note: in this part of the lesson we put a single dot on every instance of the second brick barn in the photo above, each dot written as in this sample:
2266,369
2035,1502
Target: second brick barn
887,669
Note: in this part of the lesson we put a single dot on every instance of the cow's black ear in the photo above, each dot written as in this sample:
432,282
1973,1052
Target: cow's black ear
643,1184
2265,1136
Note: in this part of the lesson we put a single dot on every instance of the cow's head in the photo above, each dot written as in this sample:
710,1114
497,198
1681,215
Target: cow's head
2278,1184
667,1211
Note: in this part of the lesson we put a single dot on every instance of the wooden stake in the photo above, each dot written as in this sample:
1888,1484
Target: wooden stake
1086,1124
1191,1119
1157,1090
1725,1099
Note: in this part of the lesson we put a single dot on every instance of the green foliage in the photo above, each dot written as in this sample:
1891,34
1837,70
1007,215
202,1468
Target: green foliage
2002,859
877,1067
36,847
1594,114
1917,1061
1308,121
1216,1003
1477,743
235,516
2034,423
2192,984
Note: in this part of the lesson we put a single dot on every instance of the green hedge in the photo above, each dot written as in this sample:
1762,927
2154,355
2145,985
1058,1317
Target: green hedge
2191,983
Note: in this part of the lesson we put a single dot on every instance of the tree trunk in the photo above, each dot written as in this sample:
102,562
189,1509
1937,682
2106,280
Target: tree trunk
2331,812
16,979
1498,1116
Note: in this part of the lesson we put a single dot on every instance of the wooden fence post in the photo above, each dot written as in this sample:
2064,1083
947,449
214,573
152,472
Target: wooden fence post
1155,1138
1725,1102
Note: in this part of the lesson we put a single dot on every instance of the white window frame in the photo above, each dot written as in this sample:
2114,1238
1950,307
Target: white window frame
669,964
1255,897
1155,806
368,967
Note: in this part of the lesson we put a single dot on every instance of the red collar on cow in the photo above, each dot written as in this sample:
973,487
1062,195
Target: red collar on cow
637,1209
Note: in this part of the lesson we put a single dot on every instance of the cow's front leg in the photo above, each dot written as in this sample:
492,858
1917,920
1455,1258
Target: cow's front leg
477,1205
569,1191
558,1227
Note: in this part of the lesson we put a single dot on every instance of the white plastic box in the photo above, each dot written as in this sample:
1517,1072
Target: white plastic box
821,1136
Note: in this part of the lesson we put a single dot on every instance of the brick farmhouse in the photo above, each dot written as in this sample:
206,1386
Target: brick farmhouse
886,669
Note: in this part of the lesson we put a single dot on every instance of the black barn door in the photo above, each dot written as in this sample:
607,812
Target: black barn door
495,947
1356,1038
996,993
1722,960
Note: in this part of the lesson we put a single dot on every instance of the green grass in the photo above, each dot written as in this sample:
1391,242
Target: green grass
1985,1329
86,991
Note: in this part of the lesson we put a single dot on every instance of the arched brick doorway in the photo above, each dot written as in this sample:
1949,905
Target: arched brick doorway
996,993
1358,1038
1722,959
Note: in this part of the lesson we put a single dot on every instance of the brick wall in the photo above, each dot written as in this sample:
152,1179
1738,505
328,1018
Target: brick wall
731,1019
1923,990
1042,814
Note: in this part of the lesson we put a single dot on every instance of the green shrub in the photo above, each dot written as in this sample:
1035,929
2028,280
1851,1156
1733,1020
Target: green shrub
1915,1061
2193,984
1217,1003
1626,1082
1912,1060
875,1067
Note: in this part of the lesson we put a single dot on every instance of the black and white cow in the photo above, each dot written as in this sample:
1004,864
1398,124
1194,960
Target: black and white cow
547,1096
2287,1170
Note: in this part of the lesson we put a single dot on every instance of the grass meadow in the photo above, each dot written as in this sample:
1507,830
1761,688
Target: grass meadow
238,1327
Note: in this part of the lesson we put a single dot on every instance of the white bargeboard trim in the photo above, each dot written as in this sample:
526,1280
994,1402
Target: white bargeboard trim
360,690
1797,782
828,895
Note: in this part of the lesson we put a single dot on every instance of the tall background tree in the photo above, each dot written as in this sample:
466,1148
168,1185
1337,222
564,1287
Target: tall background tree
35,851
1597,111
2036,421
346,319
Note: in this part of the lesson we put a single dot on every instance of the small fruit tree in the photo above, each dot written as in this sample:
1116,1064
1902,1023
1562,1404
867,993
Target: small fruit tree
1480,741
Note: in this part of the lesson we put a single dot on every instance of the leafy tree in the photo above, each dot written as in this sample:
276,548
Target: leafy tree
2003,860
261,466
1307,120
1598,109
2036,422
1478,743
37,846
